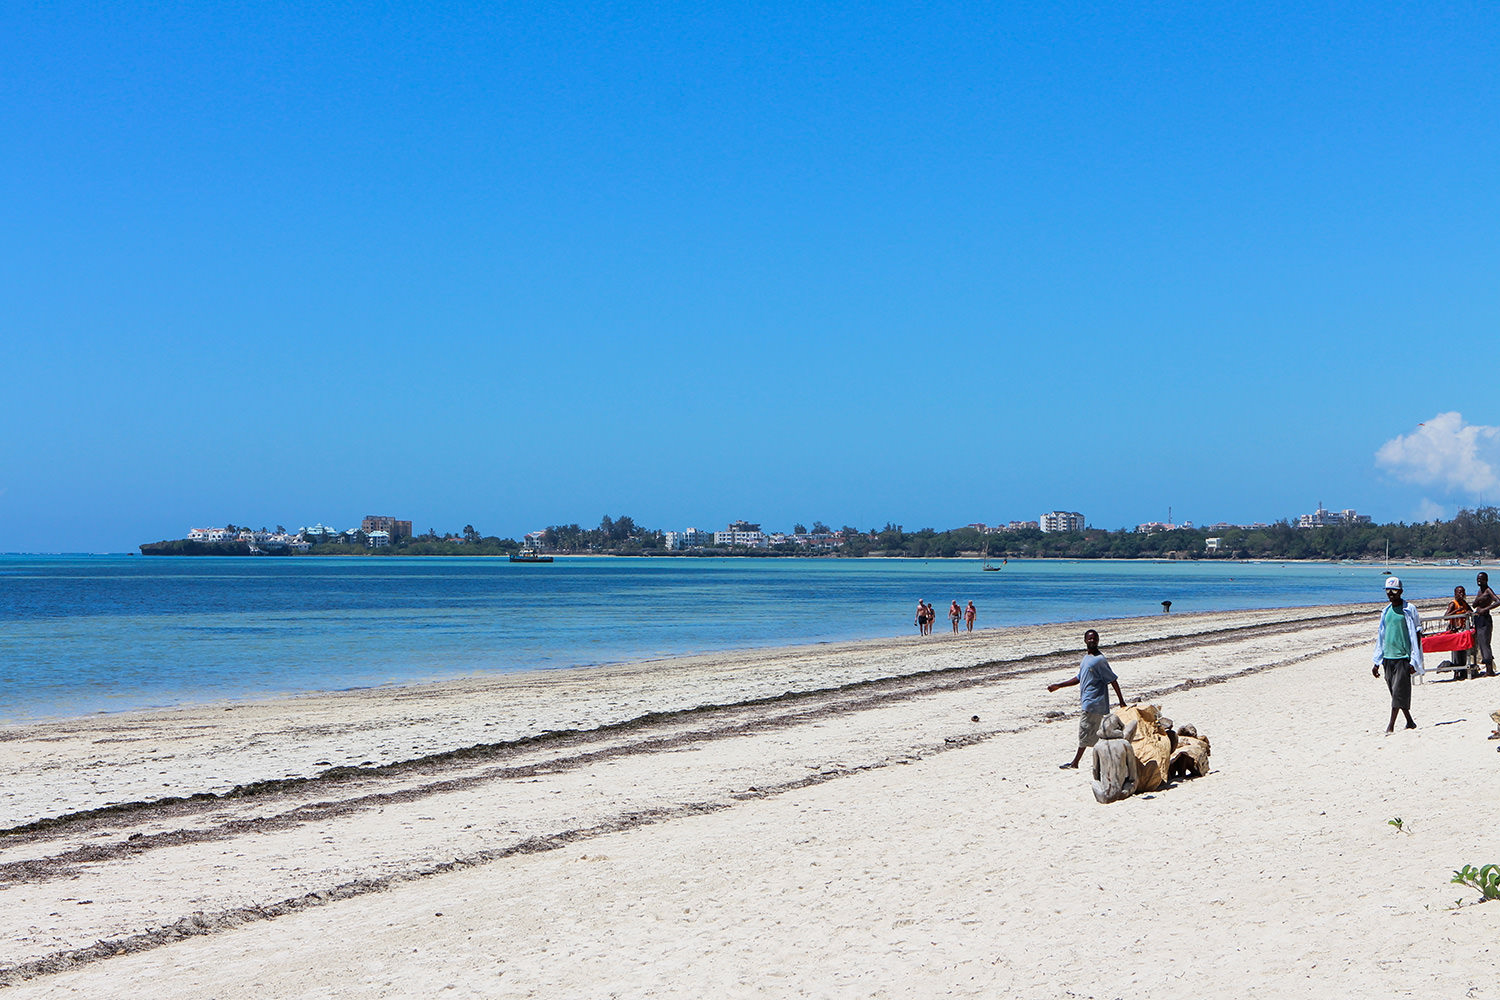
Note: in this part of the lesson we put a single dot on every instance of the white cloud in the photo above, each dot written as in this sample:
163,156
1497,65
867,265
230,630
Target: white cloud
1445,451
1428,512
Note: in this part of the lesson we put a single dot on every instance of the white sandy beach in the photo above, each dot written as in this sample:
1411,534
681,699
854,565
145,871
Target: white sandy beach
863,838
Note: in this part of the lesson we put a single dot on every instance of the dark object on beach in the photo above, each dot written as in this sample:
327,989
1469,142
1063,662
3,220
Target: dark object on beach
974,719
1166,607
1190,756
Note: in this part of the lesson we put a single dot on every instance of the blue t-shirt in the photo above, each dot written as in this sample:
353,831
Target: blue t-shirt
1094,679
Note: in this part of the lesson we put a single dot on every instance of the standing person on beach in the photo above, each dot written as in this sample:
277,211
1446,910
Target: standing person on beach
1457,615
921,617
1398,651
954,614
1095,678
1484,626
970,613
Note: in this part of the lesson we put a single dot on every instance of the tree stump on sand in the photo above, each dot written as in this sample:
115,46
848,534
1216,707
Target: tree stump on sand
1190,759
1151,743
1116,772
1139,751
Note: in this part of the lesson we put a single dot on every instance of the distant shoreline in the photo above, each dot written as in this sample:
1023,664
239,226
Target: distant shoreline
241,551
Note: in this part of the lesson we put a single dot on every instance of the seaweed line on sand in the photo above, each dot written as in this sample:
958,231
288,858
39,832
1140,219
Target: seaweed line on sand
819,701
201,923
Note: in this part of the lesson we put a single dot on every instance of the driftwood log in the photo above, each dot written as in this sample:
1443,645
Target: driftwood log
1139,750
1190,759
1151,742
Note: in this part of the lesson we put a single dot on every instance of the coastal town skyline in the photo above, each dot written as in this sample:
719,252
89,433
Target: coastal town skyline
379,530
907,264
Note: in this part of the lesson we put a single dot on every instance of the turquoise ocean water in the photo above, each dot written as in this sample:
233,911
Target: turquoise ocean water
82,634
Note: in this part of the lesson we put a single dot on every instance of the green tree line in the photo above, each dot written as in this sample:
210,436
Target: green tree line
1472,534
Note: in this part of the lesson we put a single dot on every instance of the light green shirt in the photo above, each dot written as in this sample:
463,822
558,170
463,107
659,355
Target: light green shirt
1397,642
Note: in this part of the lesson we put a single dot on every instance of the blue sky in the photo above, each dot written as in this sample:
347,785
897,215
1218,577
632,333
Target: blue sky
522,264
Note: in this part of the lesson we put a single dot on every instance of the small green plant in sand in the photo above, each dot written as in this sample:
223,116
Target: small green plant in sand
1396,822
1486,880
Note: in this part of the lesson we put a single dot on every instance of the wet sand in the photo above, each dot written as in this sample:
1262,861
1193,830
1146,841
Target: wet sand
815,821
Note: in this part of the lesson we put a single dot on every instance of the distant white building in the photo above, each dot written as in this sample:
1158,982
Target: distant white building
742,533
1022,526
820,539
378,539
1152,527
1061,520
692,538
1321,518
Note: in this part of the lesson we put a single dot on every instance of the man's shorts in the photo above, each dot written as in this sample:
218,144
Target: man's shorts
1088,728
1484,628
1398,679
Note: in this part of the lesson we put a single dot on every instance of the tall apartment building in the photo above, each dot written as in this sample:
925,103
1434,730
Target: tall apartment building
689,539
742,533
1061,520
1321,518
379,522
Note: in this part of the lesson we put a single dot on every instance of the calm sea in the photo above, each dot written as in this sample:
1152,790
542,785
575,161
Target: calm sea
82,634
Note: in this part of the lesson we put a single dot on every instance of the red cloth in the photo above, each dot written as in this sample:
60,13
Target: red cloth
1448,642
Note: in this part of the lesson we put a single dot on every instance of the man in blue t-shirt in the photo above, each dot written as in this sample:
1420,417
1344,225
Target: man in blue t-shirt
1095,678
1398,651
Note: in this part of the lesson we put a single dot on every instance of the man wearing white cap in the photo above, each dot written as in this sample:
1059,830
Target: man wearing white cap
1398,650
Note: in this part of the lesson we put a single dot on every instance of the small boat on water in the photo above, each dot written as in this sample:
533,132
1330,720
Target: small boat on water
529,556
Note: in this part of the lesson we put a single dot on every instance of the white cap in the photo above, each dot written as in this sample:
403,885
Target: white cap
1392,583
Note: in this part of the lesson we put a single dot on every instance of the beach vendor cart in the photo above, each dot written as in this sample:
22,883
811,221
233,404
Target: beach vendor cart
1440,636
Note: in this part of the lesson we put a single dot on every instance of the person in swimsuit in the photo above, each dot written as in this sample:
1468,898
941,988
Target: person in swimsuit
954,614
970,613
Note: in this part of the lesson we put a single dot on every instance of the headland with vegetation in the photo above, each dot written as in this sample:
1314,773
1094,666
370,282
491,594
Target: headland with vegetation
1470,535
